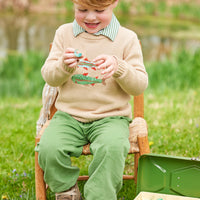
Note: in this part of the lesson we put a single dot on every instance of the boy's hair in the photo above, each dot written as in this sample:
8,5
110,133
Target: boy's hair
94,3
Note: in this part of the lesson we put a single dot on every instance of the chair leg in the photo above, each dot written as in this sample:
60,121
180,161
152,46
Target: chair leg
143,144
40,185
136,159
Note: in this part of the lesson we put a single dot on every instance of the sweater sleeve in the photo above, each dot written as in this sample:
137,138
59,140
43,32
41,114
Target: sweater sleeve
54,71
131,74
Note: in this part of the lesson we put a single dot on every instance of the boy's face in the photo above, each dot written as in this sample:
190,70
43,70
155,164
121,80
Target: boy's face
93,19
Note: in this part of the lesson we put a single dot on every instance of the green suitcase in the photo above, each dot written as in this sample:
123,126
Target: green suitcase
169,175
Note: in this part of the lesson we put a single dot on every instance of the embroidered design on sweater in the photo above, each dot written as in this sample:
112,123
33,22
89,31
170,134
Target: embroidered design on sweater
87,66
85,80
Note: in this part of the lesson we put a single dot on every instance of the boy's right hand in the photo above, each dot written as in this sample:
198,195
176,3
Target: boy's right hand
70,59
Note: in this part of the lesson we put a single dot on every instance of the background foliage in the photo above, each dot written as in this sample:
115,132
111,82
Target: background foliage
21,77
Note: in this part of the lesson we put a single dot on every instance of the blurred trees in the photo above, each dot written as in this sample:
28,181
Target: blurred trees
31,5
50,5
15,4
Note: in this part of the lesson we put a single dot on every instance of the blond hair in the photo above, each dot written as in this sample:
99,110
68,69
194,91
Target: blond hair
94,3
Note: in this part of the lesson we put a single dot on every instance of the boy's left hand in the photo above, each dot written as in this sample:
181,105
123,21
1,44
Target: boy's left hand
108,63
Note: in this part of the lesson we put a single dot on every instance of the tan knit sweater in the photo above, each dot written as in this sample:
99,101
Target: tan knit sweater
87,103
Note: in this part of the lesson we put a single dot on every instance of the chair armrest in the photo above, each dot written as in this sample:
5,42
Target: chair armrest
138,132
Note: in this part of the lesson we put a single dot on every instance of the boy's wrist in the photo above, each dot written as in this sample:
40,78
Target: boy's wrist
120,68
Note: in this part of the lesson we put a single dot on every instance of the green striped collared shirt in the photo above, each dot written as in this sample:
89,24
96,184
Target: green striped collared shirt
109,31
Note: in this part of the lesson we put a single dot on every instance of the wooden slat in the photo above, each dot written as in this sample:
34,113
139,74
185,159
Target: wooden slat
125,177
86,150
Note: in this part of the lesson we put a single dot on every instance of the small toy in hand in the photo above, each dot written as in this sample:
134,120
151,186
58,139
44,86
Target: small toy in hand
78,55
84,78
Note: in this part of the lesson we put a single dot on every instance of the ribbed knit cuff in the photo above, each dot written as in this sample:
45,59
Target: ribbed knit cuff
121,68
69,69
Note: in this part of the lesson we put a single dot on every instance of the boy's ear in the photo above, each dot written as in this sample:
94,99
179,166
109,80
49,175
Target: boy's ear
115,3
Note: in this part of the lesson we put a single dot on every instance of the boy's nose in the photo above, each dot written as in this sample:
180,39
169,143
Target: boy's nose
91,16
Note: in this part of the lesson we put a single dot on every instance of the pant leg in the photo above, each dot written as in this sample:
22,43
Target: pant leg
61,139
110,146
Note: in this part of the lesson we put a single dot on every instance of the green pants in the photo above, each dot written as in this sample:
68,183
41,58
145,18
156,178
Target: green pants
65,137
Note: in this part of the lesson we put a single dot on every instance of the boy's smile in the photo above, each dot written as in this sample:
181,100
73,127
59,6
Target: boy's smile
92,25
93,19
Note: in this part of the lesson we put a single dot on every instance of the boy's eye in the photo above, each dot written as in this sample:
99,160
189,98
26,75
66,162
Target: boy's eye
82,10
99,11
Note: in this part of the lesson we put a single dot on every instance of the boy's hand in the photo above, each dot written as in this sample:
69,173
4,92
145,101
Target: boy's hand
107,62
70,59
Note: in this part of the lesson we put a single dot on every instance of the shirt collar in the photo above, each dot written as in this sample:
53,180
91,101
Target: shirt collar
109,31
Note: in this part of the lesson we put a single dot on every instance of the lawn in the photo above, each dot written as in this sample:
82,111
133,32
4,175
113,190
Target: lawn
173,123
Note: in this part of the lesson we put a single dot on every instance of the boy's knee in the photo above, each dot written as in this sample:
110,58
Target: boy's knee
118,148
49,153
114,149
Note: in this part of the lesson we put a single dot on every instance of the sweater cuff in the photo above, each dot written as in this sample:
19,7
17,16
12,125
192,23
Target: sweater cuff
69,69
121,68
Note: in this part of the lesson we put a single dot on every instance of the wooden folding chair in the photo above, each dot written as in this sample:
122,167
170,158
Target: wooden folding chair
138,136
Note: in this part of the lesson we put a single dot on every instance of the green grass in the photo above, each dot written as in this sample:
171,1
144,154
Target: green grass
172,104
173,120
18,117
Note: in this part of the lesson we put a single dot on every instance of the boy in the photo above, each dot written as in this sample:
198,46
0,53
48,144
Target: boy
95,112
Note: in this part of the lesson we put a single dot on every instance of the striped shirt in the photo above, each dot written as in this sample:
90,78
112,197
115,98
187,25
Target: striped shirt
109,31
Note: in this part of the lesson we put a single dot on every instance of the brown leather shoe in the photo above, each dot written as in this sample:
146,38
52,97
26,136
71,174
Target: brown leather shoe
72,194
